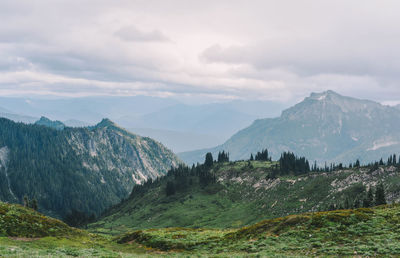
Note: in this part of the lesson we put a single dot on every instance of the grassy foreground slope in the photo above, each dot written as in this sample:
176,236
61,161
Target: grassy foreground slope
244,193
364,231
27,233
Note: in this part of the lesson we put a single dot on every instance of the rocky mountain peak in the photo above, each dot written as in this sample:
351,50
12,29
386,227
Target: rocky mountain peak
105,123
329,94
50,123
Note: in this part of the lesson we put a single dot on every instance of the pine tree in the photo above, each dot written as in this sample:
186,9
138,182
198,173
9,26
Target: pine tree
369,199
223,156
170,190
209,160
251,157
380,195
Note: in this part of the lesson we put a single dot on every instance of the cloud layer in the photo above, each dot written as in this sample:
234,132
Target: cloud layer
273,50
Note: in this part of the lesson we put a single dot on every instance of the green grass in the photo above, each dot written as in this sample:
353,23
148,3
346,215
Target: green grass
364,232
367,232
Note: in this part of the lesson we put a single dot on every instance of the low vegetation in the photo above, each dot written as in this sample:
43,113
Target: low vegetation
364,231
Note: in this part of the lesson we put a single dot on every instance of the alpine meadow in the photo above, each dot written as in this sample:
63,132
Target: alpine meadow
199,128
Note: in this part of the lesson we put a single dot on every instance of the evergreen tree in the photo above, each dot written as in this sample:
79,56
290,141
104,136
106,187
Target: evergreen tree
251,157
369,199
170,190
209,160
262,156
380,195
223,157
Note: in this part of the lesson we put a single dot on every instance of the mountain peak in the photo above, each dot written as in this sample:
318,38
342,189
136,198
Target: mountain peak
324,95
105,123
50,123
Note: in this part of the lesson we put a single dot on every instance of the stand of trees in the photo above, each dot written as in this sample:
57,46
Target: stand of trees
289,163
223,156
183,176
180,178
366,199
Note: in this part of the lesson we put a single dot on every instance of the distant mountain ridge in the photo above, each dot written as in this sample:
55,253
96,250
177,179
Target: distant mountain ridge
209,123
86,169
324,127
49,123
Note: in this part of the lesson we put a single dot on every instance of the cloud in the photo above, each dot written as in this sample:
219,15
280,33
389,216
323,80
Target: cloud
210,50
131,33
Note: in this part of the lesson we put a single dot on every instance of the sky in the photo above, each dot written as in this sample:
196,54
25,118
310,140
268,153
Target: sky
201,51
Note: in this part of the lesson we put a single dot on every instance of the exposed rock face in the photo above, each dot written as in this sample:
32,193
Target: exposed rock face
324,127
86,169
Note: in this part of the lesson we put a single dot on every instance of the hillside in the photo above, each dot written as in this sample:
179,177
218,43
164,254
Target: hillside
324,127
364,231
18,221
27,233
238,188
85,169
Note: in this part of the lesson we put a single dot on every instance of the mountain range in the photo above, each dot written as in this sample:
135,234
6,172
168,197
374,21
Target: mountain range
85,169
162,118
326,127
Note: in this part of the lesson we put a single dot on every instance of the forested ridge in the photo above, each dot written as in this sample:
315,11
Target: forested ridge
65,171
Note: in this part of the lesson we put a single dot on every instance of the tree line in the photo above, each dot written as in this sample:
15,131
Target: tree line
373,197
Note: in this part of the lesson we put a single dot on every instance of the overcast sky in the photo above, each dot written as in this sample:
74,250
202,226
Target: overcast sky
201,50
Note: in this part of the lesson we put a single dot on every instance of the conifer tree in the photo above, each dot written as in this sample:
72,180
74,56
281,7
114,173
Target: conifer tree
369,199
170,190
223,156
380,195
209,160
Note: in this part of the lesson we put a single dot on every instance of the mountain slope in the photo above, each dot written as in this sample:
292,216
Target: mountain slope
324,127
244,193
18,221
86,169
359,232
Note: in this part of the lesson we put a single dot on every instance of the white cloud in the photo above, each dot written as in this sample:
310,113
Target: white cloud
131,33
278,50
